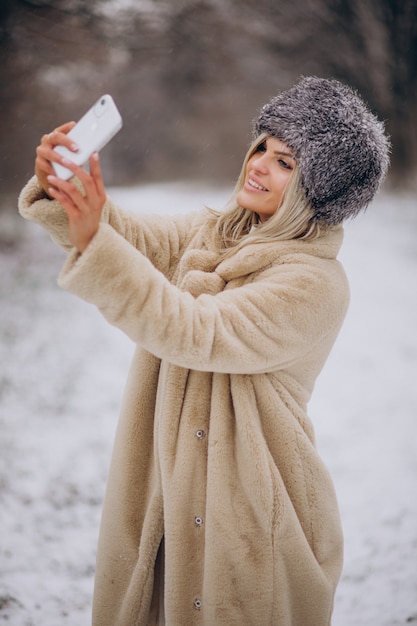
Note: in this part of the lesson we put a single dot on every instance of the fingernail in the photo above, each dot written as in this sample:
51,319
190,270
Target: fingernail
74,147
50,178
66,162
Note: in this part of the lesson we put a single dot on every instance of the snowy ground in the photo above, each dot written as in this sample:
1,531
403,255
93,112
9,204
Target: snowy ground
61,380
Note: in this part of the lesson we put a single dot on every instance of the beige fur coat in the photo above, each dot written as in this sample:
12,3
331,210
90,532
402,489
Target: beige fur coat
214,452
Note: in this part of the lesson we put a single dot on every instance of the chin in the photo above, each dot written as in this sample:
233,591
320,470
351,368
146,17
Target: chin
246,202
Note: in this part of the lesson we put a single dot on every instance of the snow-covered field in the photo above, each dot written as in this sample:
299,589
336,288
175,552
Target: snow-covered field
61,381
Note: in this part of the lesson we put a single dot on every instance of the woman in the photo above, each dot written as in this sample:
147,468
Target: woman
218,509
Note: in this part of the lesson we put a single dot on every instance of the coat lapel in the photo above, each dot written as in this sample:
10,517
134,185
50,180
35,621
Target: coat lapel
201,272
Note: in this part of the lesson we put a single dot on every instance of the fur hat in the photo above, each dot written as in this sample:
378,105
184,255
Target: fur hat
340,147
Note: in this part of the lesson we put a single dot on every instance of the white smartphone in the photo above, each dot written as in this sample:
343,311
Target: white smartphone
91,133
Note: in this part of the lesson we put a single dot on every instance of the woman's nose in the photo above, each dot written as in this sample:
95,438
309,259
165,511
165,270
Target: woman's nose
259,163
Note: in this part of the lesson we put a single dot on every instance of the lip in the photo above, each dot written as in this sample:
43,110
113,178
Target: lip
256,180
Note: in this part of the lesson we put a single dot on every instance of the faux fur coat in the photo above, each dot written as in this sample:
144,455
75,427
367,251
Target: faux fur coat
214,458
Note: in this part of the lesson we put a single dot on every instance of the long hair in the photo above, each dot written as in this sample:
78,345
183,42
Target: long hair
236,226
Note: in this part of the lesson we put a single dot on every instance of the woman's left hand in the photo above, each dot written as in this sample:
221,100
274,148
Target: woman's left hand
84,211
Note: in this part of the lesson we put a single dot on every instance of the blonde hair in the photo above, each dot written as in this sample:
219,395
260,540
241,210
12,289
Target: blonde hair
293,220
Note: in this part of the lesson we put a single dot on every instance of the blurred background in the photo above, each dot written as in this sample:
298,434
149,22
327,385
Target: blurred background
190,75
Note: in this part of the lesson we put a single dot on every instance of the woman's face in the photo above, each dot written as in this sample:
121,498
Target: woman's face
267,174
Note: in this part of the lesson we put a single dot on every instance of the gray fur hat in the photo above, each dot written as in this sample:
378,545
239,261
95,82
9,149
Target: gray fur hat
340,147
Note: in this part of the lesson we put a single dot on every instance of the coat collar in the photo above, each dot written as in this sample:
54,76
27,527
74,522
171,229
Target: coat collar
201,272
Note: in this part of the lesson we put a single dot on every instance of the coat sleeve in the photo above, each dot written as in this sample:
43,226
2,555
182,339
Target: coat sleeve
159,238
261,326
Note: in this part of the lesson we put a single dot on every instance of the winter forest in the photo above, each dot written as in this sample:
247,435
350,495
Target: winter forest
188,77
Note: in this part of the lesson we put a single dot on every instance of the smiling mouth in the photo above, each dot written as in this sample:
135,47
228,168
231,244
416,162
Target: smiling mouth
255,185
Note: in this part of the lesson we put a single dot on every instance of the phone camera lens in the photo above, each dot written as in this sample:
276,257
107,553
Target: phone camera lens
102,101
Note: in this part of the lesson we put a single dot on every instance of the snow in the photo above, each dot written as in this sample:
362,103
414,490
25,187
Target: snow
62,376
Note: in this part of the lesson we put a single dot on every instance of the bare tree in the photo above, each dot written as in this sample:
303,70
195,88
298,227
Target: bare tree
189,75
43,45
371,44
398,19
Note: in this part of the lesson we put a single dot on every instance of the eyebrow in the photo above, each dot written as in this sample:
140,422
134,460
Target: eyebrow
281,153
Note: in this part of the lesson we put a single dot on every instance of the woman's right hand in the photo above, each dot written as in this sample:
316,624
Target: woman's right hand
45,153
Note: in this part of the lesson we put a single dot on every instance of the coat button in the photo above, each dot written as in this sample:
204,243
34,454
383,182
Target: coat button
200,434
198,521
198,604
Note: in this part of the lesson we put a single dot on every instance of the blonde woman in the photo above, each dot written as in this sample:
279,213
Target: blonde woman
219,510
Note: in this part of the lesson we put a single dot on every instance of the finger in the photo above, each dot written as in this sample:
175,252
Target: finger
65,128
96,174
77,170
85,177
46,154
42,170
67,188
42,163
47,151
60,130
57,138
65,200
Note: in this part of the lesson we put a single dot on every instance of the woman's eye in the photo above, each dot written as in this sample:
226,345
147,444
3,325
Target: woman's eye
261,148
284,164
